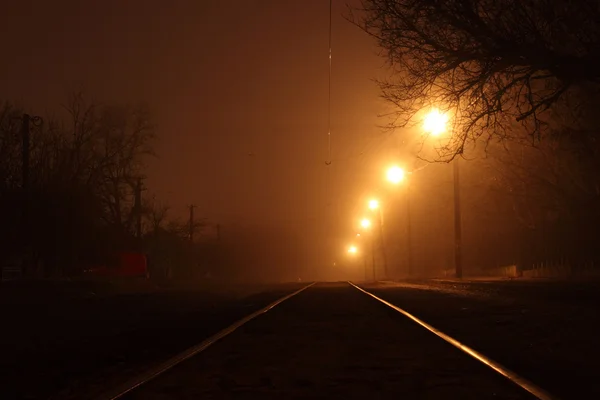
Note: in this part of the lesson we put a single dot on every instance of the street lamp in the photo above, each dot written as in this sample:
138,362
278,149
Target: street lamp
395,175
366,224
435,124
374,205
353,251
364,256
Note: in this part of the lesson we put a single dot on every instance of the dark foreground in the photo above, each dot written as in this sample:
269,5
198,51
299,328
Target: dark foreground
69,343
330,341
546,331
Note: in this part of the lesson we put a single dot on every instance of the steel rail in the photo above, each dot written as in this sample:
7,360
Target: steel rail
152,373
507,373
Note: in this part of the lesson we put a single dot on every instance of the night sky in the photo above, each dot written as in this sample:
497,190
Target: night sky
239,90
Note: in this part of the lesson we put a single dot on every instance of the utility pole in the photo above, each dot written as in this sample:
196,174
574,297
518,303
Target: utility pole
26,122
25,135
382,242
408,232
219,232
138,208
191,226
457,221
373,254
26,150
26,218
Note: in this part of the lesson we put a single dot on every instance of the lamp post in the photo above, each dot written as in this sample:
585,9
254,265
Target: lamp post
364,260
366,224
375,206
457,221
396,175
353,251
435,124
408,233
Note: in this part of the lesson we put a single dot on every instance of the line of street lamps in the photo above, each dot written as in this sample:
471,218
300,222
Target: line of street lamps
434,124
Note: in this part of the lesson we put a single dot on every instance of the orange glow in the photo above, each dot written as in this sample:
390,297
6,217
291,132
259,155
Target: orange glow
395,175
435,122
365,223
352,250
373,204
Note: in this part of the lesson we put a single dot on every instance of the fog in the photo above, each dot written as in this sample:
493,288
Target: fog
238,96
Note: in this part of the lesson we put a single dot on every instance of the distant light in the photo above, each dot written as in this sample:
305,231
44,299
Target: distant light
373,204
365,223
395,175
352,250
358,235
435,122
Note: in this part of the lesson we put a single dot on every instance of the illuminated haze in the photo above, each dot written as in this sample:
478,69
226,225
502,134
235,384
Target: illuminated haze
240,94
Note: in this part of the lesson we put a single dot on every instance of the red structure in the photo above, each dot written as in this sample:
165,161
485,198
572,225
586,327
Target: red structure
128,265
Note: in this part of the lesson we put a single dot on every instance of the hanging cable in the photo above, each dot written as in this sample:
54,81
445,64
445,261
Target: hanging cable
328,161
329,94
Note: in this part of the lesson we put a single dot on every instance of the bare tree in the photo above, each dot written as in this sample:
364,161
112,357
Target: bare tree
83,170
10,146
156,213
108,149
553,193
493,64
556,179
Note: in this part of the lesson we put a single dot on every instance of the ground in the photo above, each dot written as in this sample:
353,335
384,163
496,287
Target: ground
545,330
70,342
328,339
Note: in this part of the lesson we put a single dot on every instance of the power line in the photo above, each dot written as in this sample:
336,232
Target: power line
329,92
328,162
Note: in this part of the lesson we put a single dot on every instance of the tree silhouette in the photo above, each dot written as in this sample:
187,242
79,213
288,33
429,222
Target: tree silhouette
495,65
83,170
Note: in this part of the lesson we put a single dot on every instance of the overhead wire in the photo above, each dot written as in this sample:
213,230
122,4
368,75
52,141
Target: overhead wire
328,161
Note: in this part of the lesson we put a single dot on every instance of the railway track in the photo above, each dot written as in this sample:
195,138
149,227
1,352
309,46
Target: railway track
329,340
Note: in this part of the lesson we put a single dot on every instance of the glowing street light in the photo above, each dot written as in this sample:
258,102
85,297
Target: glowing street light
373,204
366,224
352,250
435,122
395,175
